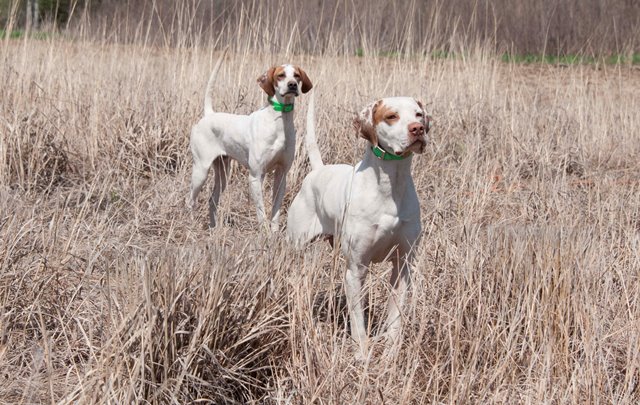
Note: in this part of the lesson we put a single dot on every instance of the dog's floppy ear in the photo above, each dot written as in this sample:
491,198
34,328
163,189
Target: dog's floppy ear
266,82
426,119
364,125
306,82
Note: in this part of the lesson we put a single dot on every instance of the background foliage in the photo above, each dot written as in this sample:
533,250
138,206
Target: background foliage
526,27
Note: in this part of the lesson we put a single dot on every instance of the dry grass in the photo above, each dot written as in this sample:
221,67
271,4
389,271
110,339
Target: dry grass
525,288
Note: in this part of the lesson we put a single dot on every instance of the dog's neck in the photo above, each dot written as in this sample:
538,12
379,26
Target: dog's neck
285,103
287,118
287,114
393,177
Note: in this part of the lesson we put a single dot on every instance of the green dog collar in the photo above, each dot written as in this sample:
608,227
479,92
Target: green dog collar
280,107
384,155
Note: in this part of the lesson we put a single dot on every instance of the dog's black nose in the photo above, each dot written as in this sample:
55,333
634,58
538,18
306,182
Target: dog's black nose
292,85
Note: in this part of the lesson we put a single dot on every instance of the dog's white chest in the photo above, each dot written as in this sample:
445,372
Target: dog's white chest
278,151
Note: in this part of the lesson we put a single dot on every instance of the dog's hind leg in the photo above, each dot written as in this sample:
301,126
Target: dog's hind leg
303,224
221,173
198,176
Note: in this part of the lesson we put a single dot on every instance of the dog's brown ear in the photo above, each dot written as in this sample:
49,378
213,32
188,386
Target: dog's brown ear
364,124
306,82
266,82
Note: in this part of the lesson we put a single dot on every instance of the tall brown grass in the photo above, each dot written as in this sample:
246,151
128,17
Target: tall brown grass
526,281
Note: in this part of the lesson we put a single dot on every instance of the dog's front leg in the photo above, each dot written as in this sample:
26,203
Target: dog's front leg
354,281
255,189
279,188
400,280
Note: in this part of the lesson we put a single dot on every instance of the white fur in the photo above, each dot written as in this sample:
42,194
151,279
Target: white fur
370,209
262,141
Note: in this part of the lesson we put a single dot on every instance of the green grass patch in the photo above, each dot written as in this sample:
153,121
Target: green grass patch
14,34
382,54
571,59
439,54
568,59
17,34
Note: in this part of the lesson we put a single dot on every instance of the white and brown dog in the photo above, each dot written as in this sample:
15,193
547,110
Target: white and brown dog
262,141
372,209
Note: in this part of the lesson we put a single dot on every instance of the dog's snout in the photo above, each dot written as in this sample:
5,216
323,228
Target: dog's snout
293,85
416,128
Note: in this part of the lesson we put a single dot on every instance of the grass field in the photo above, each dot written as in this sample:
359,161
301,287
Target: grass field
525,288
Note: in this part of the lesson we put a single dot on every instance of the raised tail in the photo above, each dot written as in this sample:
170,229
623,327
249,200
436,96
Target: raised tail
208,101
310,138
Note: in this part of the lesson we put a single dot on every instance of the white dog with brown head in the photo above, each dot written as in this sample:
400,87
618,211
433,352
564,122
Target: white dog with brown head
262,141
372,208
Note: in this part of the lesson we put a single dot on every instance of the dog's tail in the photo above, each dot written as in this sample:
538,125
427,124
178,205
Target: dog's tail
208,101
310,138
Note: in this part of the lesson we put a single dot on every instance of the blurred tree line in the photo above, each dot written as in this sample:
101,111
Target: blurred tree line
31,13
528,26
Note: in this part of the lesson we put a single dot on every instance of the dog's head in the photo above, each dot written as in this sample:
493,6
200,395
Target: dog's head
285,80
397,124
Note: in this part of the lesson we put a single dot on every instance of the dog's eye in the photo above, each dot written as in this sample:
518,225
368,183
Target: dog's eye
281,76
391,117
296,76
419,115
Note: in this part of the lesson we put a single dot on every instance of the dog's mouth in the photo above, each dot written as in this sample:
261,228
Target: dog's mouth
290,93
416,146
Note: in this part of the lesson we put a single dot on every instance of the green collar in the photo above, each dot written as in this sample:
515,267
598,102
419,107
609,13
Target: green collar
384,155
280,107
